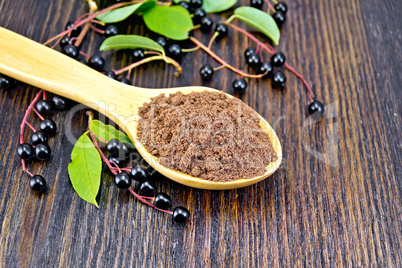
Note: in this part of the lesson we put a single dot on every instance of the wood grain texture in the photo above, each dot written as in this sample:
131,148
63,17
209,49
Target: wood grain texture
341,209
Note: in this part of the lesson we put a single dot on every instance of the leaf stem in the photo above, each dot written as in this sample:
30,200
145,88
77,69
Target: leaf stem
188,50
212,39
159,57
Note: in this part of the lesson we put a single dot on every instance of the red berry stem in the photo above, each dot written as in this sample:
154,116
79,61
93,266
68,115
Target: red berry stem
96,29
30,126
85,54
270,7
221,61
101,153
148,203
38,114
29,109
271,51
24,168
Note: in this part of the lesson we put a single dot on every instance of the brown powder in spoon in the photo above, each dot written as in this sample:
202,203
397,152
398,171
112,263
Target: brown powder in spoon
206,135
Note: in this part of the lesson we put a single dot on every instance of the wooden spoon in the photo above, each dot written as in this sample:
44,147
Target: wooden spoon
42,67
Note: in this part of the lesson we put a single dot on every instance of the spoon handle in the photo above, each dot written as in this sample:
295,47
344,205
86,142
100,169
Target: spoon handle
43,67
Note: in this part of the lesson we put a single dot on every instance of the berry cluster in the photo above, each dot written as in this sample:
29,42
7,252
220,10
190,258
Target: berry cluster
38,149
119,154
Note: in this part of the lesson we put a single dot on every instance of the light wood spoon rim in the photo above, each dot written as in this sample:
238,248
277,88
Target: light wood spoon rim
42,67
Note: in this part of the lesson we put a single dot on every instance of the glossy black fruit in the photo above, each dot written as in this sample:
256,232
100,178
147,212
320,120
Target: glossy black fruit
174,51
206,24
222,29
185,4
111,30
316,109
181,214
113,147
253,60
44,107
278,80
76,31
117,160
37,183
279,18
265,67
59,103
138,54
206,72
162,201
71,51
122,180
111,74
199,13
42,152
278,59
124,81
48,126
125,150
194,4
25,151
239,85
6,82
248,52
38,137
281,6
162,40
138,173
256,3
65,41
96,62
147,188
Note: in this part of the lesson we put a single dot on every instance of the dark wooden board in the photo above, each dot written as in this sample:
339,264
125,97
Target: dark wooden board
343,209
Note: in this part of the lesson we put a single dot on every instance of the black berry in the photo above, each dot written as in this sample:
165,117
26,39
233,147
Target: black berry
122,180
59,103
147,188
65,41
38,137
76,31
185,4
281,6
265,67
278,59
44,107
248,52
111,30
113,147
37,183
25,151
83,61
42,152
194,4
162,201
174,51
118,161
206,72
162,40
6,82
279,18
124,81
71,51
181,214
278,80
316,109
222,29
199,13
96,62
138,173
239,85
48,126
138,54
206,24
111,74
253,60
256,3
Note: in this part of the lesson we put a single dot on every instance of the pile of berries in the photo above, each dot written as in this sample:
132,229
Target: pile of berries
119,154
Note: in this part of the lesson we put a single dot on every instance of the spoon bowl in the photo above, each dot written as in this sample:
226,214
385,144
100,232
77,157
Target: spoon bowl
42,67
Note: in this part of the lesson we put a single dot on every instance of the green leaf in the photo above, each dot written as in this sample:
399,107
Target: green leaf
123,13
130,42
171,21
85,169
259,20
108,132
214,6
